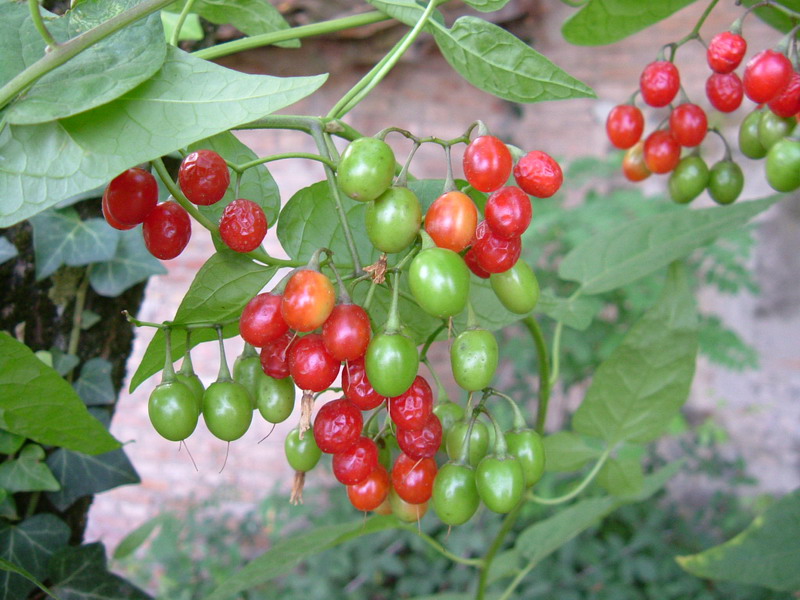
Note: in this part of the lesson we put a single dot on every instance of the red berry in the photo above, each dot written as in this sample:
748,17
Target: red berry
508,212
662,152
346,332
337,426
411,409
766,75
261,320
412,478
167,230
424,442
487,163
274,359
354,464
725,51
110,218
204,177
131,196
624,125
451,220
659,83
492,253
787,103
688,124
472,262
308,300
372,491
357,388
725,92
538,174
310,365
243,225
633,165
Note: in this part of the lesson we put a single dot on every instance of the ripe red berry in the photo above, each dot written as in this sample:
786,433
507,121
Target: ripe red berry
659,83
204,177
261,320
357,388
310,365
624,125
633,165
131,196
787,103
688,124
372,491
355,463
766,75
167,230
487,163
508,212
471,259
662,152
411,409
412,478
493,253
243,225
274,359
424,442
110,218
725,52
337,426
346,332
538,174
308,300
725,92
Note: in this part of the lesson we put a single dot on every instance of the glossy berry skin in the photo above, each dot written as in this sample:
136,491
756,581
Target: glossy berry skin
243,225
451,220
308,300
624,126
500,483
725,182
357,388
302,455
725,92
274,356
192,381
439,282
787,102
455,495
247,371
275,398
411,409
393,219
110,218
473,359
487,163
366,169
356,462
370,492
517,289
508,212
412,478
227,410
766,75
492,253
167,230
688,124
688,180
449,414
783,165
131,196
261,320
772,128
337,426
661,151
725,51
204,177
391,363
310,365
346,332
172,411
471,260
659,83
405,511
749,142
528,448
538,174
423,442
478,444
633,166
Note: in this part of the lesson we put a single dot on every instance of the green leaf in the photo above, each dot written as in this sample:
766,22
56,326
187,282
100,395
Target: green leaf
37,403
218,293
131,264
12,568
190,30
576,312
636,391
61,237
774,16
8,507
188,99
287,554
407,12
63,363
81,573
131,542
99,74
486,5
622,476
601,22
766,553
94,386
20,43
496,61
27,473
10,443
29,545
89,319
617,257
83,475
567,451
7,250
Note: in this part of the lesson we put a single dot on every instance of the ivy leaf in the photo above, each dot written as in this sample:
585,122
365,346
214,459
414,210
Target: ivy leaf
130,264
63,362
188,99
577,313
131,542
89,319
496,61
94,386
27,473
29,545
12,568
218,293
601,22
637,391
567,451
7,250
622,476
83,475
61,237
10,443
81,573
36,402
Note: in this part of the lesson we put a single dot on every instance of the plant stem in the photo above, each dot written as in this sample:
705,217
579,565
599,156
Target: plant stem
544,371
187,326
578,489
38,22
187,8
431,338
497,543
472,562
77,319
555,353
260,161
694,34
71,48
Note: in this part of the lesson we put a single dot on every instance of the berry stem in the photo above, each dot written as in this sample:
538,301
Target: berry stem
500,447
544,370
169,371
402,179
577,489
393,322
727,155
497,543
176,33
187,326
441,391
267,159
423,355
519,420
224,374
694,34
344,296
187,368
38,23
449,182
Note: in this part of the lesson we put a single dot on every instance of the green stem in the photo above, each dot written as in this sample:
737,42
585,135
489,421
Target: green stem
296,33
500,447
471,562
497,543
431,338
71,48
370,294
260,161
169,371
187,8
187,326
555,353
519,420
393,322
224,373
578,489
544,371
77,319
442,391
694,34
38,22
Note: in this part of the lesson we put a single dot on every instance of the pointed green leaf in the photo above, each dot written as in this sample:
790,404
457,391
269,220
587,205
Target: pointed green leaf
636,392
405,11
20,43
567,451
496,61
191,28
27,473
89,319
7,250
81,573
37,403
132,263
131,542
63,362
622,476
10,443
617,257
12,568
94,386
767,553
8,507
577,312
